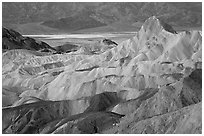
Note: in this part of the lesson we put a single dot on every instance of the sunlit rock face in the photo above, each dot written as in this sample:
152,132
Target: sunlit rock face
152,78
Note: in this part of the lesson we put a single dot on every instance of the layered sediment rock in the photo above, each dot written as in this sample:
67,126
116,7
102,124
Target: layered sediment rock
152,78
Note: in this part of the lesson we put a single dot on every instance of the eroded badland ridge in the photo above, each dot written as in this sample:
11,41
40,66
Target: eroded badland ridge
151,83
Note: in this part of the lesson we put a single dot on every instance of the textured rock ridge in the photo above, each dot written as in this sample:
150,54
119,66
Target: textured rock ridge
150,83
14,40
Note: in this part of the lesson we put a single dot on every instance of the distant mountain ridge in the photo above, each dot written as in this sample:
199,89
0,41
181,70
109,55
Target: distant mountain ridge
76,16
75,22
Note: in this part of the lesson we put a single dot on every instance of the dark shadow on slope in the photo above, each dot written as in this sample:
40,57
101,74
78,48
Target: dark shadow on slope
167,27
87,69
53,65
28,118
85,123
191,92
109,42
98,122
67,48
33,117
196,75
103,101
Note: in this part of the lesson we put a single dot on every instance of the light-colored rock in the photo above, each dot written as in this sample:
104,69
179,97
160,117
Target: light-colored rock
152,76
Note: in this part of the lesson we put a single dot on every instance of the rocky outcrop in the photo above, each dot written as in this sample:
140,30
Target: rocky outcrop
67,48
154,77
109,42
33,114
14,40
186,120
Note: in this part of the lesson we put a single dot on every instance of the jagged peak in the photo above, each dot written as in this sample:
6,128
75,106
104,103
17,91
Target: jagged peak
153,23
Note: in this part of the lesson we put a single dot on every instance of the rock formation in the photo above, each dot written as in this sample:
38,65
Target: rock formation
150,83
14,40
66,48
109,42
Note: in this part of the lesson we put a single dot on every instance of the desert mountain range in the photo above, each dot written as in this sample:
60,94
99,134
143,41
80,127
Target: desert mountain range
40,18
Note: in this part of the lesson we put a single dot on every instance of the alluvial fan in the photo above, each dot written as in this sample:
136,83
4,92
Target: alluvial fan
151,83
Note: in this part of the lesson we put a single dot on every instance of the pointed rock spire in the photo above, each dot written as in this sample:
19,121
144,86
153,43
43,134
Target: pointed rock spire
154,24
